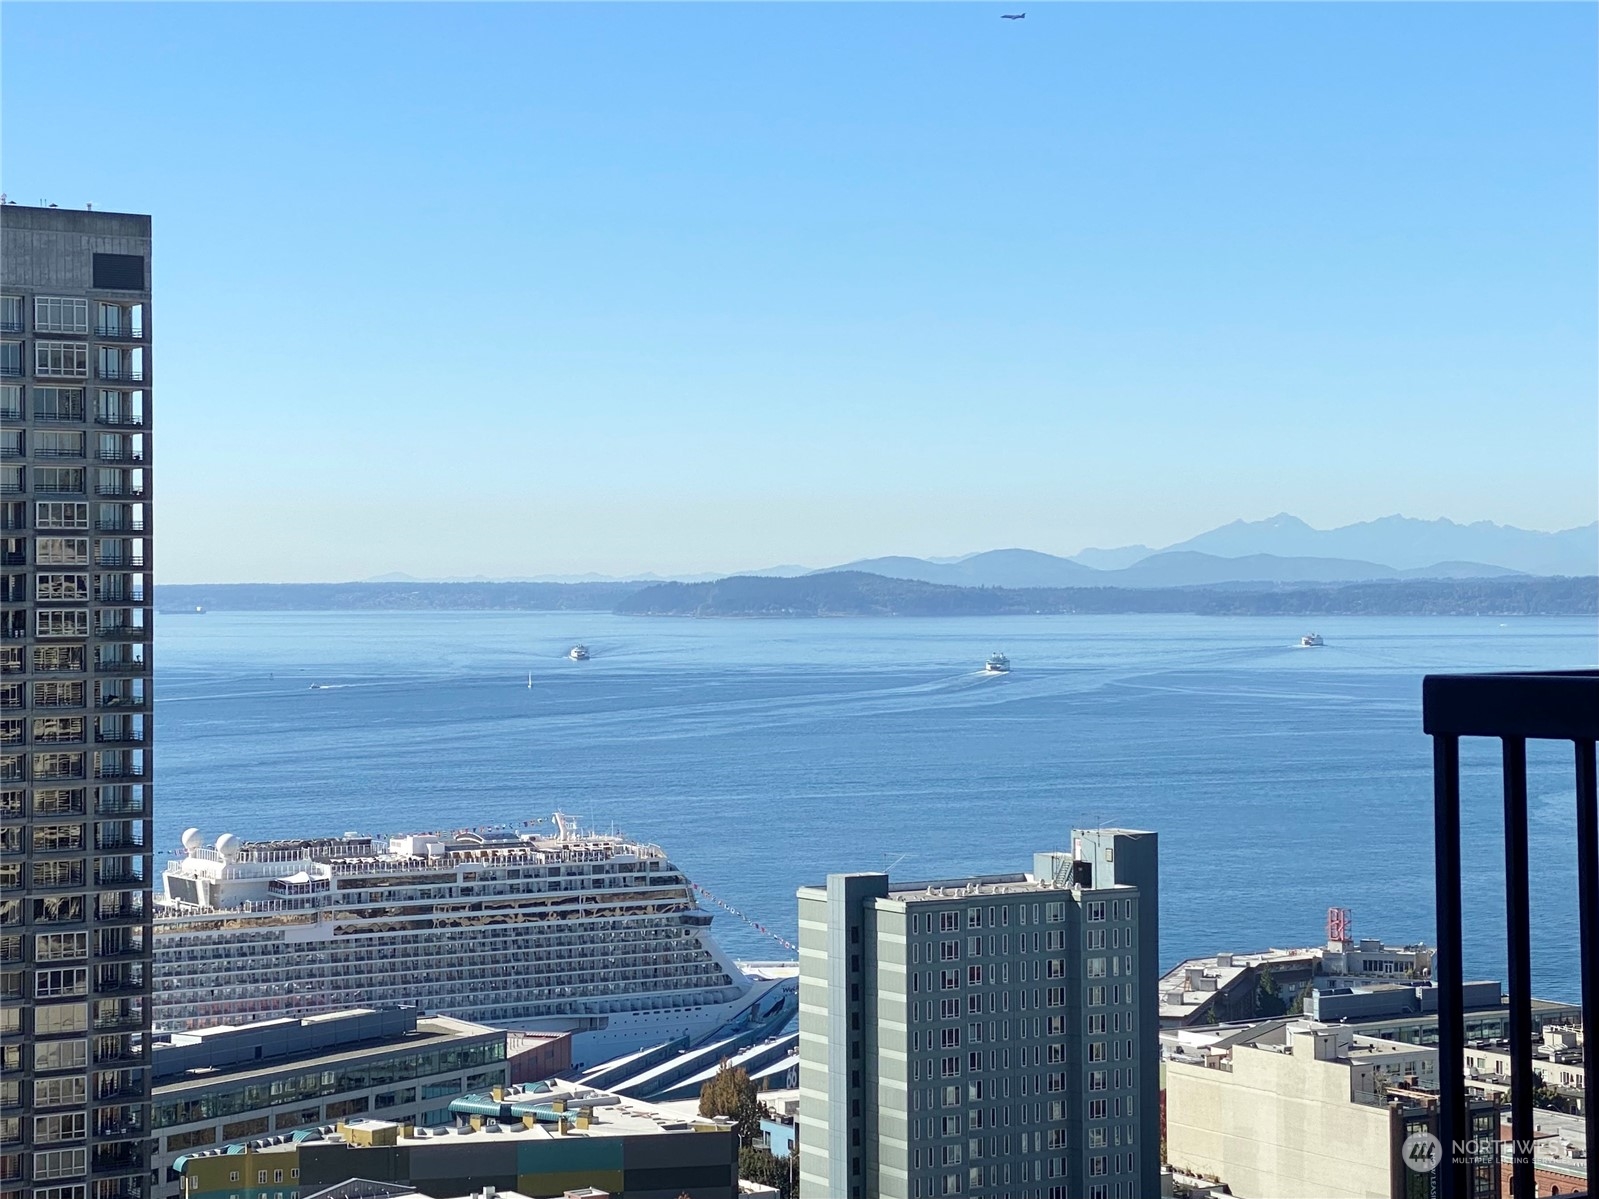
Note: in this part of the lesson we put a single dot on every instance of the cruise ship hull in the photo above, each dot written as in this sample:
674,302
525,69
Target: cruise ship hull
594,935
768,1008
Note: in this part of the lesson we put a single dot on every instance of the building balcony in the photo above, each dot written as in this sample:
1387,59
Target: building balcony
120,1022
117,333
124,1155
111,805
119,773
119,632
117,491
119,420
129,562
122,703
118,841
58,455
8,371
120,374
59,489
10,326
118,595
119,526
11,489
107,454
58,418
11,414
11,452
119,738
119,986
110,1130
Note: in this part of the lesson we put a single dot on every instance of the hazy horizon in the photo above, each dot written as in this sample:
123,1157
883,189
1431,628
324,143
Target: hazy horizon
724,570
513,289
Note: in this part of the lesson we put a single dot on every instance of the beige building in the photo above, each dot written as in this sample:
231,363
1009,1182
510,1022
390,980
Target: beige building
1291,1109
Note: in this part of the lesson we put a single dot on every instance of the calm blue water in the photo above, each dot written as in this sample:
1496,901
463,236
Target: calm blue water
764,754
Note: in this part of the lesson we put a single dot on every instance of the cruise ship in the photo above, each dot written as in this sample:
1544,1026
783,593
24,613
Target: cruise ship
598,935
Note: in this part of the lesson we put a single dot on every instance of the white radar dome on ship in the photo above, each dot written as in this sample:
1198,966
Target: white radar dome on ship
191,838
228,845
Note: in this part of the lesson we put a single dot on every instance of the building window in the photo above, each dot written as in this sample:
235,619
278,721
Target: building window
974,974
10,359
58,514
60,359
11,314
59,314
1096,968
56,622
948,922
60,1163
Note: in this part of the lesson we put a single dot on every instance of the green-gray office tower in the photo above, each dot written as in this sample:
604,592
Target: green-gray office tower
988,1036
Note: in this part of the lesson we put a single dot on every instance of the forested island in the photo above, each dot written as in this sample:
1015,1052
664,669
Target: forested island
856,593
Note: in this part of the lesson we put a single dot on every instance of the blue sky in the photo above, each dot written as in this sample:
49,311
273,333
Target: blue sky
523,289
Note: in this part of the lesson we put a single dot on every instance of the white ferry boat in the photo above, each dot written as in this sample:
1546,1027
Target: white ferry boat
997,664
597,935
578,653
1311,640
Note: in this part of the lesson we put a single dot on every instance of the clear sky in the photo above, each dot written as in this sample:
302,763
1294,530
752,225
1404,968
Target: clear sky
519,289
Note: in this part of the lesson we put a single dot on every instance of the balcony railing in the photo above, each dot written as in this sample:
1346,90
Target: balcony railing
119,738
58,418
117,491
59,488
10,326
120,420
124,1156
107,454
109,806
1515,709
10,413
7,371
119,526
117,333
121,374
56,454
119,562
118,772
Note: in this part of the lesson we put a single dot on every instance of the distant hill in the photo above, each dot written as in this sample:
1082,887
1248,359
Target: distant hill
1172,568
856,593
993,568
1405,543
1186,568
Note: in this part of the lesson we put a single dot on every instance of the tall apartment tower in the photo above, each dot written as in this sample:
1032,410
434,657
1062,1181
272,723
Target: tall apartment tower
75,703
988,1037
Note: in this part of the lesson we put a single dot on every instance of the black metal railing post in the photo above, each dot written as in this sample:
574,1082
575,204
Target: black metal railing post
1518,944
1448,972
1588,932
1515,708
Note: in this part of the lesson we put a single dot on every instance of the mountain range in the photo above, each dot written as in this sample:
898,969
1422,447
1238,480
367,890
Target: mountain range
1281,550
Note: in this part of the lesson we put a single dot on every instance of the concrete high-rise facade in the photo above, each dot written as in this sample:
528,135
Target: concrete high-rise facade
75,866
988,1036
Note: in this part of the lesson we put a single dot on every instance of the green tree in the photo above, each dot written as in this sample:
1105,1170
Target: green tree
758,1164
731,1093
1268,995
